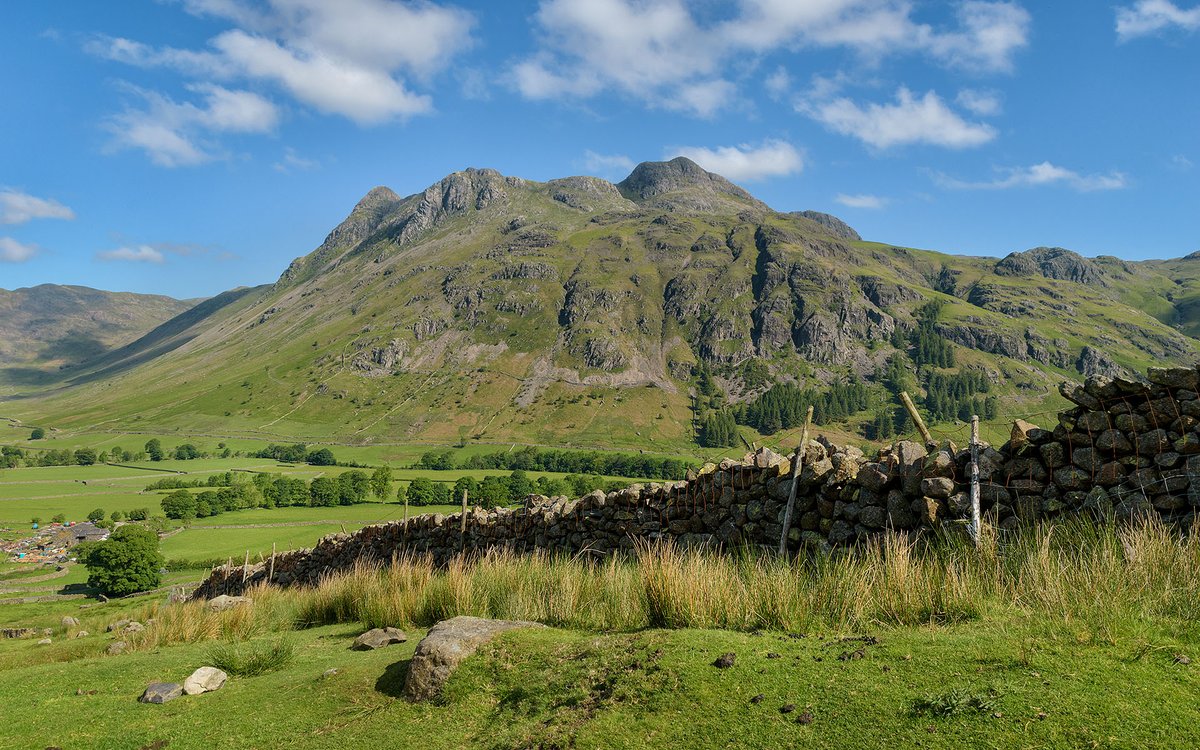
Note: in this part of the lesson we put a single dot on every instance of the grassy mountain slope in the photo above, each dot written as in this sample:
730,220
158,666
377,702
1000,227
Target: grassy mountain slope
48,328
576,311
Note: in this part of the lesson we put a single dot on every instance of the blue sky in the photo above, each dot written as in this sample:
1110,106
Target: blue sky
185,147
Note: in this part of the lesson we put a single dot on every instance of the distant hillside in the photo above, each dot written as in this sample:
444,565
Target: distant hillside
575,311
49,327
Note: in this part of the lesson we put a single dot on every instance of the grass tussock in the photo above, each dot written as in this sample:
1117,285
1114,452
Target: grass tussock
1107,575
251,659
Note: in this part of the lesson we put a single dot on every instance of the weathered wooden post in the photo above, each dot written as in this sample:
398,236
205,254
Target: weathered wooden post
797,468
916,418
271,575
246,568
462,539
975,520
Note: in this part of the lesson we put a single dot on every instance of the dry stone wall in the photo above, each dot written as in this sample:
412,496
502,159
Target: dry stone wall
1127,447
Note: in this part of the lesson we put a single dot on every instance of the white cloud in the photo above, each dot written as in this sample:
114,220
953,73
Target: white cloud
982,103
773,158
778,83
1039,175
910,119
335,86
18,208
1149,16
666,52
606,163
348,58
987,36
1181,163
135,254
861,200
292,161
174,134
12,251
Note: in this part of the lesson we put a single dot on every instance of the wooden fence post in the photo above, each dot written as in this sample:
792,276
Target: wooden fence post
797,467
462,537
975,519
271,575
916,418
246,568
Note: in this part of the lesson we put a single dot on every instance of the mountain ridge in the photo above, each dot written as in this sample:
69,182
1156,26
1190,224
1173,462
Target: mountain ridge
493,307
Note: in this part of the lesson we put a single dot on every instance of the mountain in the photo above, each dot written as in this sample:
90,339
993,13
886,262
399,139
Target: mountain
579,312
49,327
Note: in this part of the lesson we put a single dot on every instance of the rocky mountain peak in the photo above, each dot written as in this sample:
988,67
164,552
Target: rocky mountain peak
376,198
652,179
1052,263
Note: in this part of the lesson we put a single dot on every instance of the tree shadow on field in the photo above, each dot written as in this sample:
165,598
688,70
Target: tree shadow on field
391,682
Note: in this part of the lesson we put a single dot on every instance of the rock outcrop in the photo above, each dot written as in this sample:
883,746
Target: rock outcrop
446,645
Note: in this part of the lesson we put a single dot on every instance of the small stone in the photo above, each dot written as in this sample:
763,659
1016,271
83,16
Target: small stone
45,642
758,699
70,622
787,709
161,692
204,680
116,647
133,627
114,626
805,718
1182,659
82,634
725,661
329,673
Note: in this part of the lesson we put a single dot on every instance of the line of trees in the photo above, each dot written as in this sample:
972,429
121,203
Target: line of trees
784,406
271,491
529,458
297,453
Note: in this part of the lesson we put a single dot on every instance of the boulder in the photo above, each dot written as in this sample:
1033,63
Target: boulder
161,692
224,602
446,645
118,625
204,680
378,638
70,622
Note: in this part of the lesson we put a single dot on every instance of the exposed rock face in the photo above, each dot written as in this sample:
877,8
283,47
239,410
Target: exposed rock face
446,645
1052,263
224,602
831,224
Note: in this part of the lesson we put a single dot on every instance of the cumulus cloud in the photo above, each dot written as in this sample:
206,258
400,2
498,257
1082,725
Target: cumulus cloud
1039,175
910,119
861,200
603,164
352,58
1151,16
133,254
745,162
667,53
175,134
982,103
18,208
12,251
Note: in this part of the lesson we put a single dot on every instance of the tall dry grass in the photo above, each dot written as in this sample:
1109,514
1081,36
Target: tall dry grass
1107,574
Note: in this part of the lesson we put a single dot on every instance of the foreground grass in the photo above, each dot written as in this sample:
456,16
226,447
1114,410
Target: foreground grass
1067,636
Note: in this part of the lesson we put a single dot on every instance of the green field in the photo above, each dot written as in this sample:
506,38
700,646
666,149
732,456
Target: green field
1059,639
